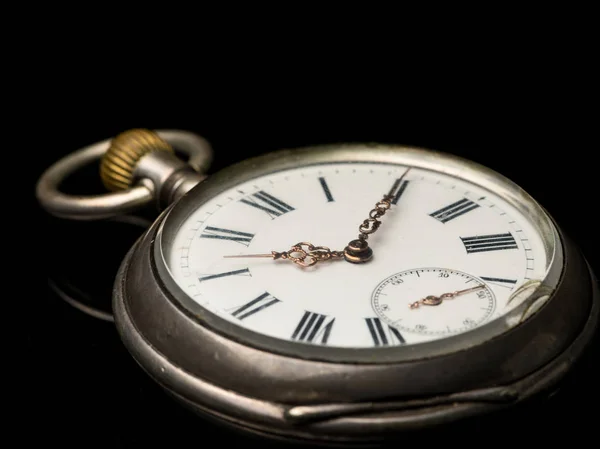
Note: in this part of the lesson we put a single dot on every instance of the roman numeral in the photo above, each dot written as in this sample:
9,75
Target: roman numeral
499,281
401,186
267,203
454,210
326,189
245,272
493,242
210,232
380,336
256,305
313,327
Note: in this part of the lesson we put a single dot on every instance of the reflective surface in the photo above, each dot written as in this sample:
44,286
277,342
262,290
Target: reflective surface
93,374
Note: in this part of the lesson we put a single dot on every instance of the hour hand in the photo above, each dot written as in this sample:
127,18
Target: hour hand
303,254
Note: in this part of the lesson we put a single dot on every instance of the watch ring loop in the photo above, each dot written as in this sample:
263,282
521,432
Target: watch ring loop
95,207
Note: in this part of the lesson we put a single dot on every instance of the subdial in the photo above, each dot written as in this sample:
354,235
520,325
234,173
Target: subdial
433,301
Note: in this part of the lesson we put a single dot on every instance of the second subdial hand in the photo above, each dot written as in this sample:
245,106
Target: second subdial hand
437,300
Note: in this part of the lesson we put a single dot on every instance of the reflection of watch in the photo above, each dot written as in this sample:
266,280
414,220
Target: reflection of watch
312,353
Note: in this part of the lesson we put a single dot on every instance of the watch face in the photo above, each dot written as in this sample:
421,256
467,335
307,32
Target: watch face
456,244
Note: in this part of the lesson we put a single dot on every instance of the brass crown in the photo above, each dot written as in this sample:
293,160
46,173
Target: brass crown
126,149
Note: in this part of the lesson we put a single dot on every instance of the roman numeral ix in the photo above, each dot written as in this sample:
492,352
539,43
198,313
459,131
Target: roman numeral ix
210,232
313,327
380,336
267,203
454,210
256,305
493,242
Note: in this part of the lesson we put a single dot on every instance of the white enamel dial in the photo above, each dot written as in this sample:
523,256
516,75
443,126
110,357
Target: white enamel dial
437,222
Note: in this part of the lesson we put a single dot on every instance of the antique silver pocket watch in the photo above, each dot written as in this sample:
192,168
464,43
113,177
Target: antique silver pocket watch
341,293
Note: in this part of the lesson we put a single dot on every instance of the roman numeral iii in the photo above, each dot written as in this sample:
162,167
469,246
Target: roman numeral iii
383,335
313,327
256,305
261,200
210,232
454,210
492,242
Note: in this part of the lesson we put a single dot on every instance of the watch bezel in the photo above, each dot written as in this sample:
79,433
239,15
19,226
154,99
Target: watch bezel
363,153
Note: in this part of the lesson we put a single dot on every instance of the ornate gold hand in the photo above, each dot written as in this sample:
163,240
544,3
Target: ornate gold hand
304,254
437,300
358,250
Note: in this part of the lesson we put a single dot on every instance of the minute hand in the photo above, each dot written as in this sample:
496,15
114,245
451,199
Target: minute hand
358,250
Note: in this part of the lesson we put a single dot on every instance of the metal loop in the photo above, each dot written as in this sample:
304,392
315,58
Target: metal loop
376,213
369,226
95,207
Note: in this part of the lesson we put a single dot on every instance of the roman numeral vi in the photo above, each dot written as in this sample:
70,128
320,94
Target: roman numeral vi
381,336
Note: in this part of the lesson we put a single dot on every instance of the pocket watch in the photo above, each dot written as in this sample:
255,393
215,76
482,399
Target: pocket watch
336,294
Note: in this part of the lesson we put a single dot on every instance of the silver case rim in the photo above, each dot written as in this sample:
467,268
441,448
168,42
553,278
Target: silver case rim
238,393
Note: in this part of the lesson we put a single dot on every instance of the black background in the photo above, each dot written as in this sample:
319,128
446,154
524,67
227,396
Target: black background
82,386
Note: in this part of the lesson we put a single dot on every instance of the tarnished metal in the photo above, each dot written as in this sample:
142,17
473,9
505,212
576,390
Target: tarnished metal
317,393
310,392
93,207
